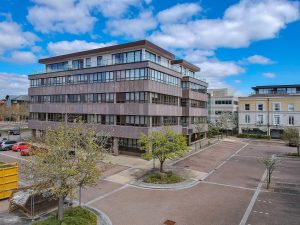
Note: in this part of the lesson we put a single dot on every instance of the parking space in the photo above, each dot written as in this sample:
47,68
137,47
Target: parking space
202,204
207,160
275,209
239,171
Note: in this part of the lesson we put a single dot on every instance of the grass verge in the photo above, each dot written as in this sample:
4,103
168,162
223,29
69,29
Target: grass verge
72,216
293,154
162,178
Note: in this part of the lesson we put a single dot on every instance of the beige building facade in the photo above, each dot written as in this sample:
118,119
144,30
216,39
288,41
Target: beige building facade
270,110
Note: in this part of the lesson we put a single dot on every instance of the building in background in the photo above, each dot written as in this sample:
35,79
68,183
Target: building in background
223,101
125,90
270,109
14,107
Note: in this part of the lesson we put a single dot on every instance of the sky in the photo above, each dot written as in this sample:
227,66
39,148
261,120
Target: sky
237,44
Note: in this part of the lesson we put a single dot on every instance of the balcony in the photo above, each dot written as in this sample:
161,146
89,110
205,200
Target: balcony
111,62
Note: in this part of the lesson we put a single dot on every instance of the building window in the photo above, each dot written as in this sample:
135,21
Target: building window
291,107
156,121
88,62
260,119
77,64
247,118
99,61
223,102
247,107
291,120
276,106
276,120
260,107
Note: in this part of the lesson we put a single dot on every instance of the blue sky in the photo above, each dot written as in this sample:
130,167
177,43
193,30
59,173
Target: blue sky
237,44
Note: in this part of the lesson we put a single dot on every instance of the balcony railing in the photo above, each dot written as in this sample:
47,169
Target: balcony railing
110,62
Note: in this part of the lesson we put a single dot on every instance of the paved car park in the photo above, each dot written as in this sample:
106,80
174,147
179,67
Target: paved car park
232,193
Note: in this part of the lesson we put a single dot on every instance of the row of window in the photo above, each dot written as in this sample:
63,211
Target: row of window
193,103
226,102
275,106
278,91
276,120
103,77
121,97
126,120
194,87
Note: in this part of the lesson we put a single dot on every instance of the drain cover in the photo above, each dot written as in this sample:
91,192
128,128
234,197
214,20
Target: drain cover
169,222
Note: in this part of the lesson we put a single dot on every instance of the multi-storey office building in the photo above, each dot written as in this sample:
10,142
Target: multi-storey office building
270,109
222,101
124,90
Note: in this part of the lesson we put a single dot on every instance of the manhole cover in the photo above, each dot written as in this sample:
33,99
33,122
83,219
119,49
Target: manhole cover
169,222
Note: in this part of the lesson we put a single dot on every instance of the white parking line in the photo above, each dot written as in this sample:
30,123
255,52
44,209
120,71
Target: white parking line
228,185
14,157
253,199
107,194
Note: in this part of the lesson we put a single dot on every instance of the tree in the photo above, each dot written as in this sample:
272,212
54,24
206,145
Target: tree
292,137
69,162
270,164
200,128
164,144
226,121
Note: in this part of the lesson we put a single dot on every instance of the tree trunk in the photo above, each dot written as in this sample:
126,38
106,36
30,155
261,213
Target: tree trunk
298,148
80,189
268,180
60,211
161,169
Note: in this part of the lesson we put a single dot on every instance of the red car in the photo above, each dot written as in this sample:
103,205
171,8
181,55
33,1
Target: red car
20,146
32,150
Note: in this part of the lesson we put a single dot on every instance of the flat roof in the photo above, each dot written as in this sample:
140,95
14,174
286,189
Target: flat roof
186,64
277,86
142,43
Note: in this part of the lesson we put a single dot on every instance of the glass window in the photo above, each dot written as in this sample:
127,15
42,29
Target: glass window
291,120
291,107
260,119
247,106
247,118
276,106
276,120
88,62
260,107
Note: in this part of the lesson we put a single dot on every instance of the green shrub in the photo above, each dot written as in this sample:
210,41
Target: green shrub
163,178
255,136
293,154
72,216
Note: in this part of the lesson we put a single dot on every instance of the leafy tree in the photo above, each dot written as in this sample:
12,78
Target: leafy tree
292,137
200,128
270,164
164,144
226,121
69,162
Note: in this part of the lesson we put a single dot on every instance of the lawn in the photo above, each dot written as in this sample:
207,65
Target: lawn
162,178
72,216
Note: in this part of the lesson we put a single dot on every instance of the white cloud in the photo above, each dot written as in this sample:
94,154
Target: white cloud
197,55
237,81
75,16
22,57
257,59
13,84
269,75
242,23
64,47
179,13
132,28
13,37
49,16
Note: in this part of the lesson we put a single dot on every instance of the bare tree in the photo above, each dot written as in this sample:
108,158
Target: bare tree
226,121
200,128
270,163
292,137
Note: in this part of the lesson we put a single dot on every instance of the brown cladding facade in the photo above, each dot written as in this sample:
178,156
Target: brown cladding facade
126,98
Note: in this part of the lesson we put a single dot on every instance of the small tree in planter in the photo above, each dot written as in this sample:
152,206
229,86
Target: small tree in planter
291,136
270,164
164,144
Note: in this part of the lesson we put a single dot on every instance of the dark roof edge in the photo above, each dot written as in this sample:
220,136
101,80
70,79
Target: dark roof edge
275,86
186,64
146,43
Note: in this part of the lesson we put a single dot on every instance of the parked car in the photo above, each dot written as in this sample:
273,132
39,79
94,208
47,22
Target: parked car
7,145
14,131
32,150
20,146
